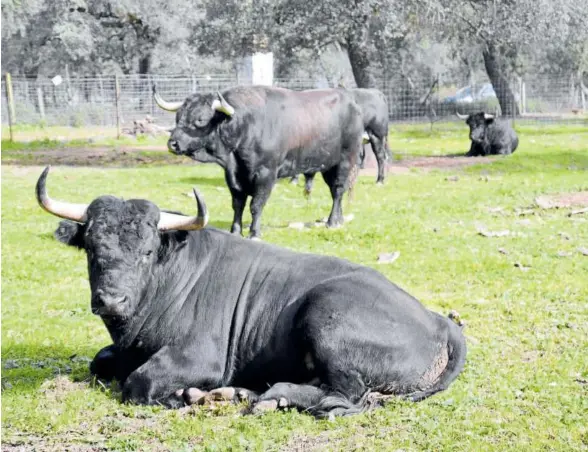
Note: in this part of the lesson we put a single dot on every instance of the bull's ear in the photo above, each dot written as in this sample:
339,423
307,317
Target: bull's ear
70,233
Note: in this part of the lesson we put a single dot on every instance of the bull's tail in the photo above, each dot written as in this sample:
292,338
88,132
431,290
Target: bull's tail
351,180
457,350
387,150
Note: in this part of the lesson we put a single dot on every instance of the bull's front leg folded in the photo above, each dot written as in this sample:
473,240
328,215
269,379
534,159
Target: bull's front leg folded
112,363
162,378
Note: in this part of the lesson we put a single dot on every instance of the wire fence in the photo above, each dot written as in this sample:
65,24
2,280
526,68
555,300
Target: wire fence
93,101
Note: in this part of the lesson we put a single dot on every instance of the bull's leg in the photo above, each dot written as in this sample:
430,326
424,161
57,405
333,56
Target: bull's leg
162,379
294,179
308,181
380,153
239,201
264,183
362,155
284,395
111,363
337,180
318,401
473,152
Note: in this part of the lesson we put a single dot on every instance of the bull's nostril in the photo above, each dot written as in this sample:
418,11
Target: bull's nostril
173,145
101,300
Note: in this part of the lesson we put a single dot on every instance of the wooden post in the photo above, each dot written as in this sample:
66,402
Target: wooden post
117,102
524,96
10,100
41,102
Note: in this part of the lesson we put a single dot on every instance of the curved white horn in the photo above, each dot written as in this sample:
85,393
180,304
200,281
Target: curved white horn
165,105
173,222
461,116
488,116
67,210
222,105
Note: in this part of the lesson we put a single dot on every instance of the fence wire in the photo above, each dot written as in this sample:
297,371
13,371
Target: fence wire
91,101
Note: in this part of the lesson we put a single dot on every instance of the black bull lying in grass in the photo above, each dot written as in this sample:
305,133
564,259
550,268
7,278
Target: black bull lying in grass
194,307
259,134
490,135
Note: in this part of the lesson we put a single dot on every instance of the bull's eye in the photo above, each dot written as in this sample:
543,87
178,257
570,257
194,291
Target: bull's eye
149,253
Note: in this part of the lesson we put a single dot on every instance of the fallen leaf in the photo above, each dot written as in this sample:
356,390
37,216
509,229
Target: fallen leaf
495,209
577,212
525,212
563,253
521,266
452,178
583,250
388,258
502,251
296,225
485,233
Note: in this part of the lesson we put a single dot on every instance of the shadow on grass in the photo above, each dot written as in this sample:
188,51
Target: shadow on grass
203,180
544,162
25,367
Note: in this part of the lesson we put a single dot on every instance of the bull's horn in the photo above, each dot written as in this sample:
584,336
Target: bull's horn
461,116
67,210
222,105
168,106
488,116
170,221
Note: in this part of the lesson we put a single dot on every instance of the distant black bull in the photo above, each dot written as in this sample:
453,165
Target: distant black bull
374,108
259,134
490,135
189,308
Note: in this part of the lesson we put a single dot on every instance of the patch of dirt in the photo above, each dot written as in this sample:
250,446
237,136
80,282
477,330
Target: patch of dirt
560,200
125,156
449,162
308,443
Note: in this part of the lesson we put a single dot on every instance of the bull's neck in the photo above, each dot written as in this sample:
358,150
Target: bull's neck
170,286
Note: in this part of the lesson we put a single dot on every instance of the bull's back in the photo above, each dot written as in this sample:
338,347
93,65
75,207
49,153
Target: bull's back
310,129
374,108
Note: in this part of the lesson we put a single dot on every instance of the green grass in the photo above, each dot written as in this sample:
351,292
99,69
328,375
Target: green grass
524,386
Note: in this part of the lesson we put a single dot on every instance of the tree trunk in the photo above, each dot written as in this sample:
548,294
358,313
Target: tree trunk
359,58
144,65
496,74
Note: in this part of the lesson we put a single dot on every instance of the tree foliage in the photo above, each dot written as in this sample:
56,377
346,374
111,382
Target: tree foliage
392,39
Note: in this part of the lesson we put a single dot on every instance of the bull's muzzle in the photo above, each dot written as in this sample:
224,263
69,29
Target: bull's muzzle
107,304
173,146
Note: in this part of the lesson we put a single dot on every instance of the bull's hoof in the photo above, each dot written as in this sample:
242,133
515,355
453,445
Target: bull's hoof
227,394
255,238
334,224
194,396
380,183
264,406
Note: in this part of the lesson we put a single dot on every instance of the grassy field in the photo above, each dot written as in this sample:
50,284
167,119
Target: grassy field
523,295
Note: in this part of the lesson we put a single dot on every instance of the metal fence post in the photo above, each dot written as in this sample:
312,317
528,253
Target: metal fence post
10,99
41,102
117,103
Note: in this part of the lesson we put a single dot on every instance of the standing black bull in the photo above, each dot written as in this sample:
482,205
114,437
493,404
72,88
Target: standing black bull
374,109
259,134
489,135
202,308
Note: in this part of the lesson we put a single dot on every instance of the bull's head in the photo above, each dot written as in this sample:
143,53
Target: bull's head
123,241
478,124
197,119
